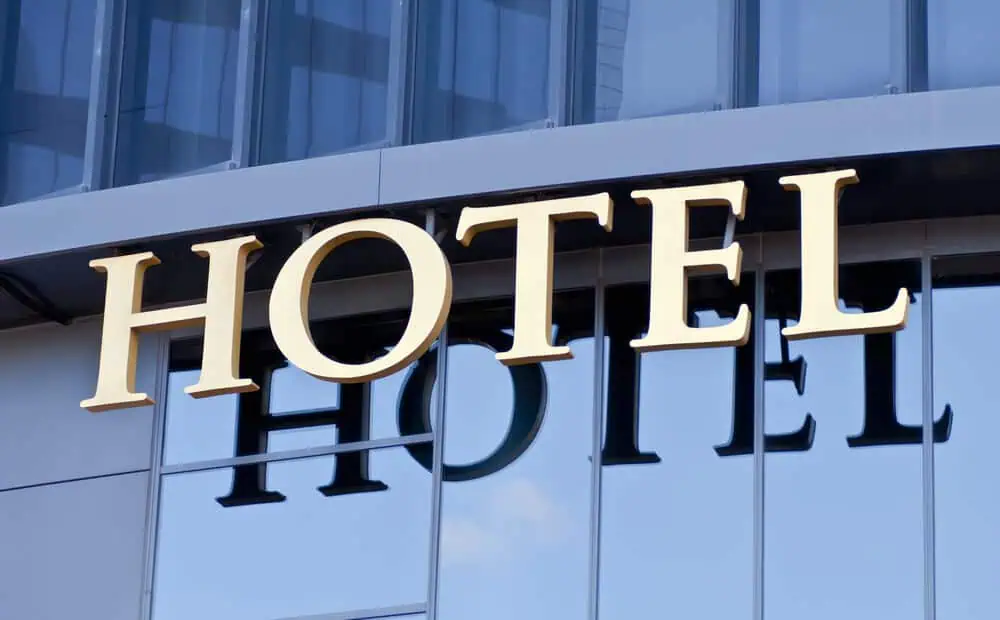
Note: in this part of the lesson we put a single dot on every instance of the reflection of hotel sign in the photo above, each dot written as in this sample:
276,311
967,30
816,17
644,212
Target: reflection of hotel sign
671,261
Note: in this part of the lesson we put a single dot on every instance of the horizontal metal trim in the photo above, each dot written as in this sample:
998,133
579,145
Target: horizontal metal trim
661,146
367,614
293,455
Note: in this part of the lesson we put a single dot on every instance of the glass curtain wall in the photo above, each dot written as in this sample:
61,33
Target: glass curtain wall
47,52
481,66
966,496
177,100
868,497
186,86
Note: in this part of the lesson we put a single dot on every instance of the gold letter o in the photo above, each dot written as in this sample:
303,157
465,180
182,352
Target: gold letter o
289,302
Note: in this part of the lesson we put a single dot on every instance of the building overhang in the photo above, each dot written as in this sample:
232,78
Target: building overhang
919,156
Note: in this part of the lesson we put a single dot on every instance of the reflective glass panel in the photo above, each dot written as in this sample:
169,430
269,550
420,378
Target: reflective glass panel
828,49
843,501
482,66
677,504
652,57
962,46
326,77
48,49
966,493
178,88
516,498
292,410
325,541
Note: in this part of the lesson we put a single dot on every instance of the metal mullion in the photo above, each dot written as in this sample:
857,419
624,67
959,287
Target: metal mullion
927,444
367,614
437,469
759,322
916,61
729,40
559,61
105,83
247,68
746,53
400,38
155,474
303,453
597,437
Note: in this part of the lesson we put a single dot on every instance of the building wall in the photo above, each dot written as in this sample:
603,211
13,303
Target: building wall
117,515
73,486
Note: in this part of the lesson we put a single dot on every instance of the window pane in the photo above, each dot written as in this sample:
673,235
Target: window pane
962,47
44,94
827,49
326,74
966,493
843,501
311,553
651,57
178,88
516,498
677,505
483,66
301,411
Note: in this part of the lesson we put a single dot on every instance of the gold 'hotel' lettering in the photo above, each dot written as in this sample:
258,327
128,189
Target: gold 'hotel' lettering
671,263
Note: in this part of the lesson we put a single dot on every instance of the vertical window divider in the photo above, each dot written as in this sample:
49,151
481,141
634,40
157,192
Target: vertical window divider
917,71
437,469
400,52
560,57
597,438
759,321
247,68
105,86
746,53
155,474
927,443
729,54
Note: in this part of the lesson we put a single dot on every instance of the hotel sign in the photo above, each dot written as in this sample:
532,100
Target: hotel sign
220,314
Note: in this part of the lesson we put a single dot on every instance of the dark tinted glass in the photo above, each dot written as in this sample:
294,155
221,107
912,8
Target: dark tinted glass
326,78
482,66
47,53
178,87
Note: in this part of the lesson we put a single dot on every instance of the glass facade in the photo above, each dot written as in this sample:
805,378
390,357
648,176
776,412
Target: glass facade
44,95
202,85
178,88
843,526
966,498
804,55
847,476
614,484
325,78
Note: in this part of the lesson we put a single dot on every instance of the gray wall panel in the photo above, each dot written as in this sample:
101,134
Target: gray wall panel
45,436
73,550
